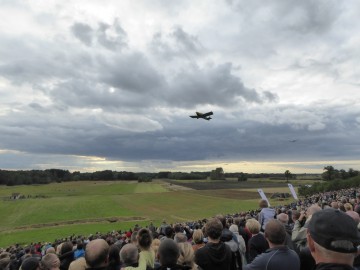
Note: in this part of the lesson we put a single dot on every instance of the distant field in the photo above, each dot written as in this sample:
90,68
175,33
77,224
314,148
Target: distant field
61,209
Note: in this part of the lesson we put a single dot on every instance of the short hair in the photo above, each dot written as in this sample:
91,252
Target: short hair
263,204
253,225
180,237
222,219
169,231
144,238
129,254
275,232
168,252
213,228
96,253
66,247
50,261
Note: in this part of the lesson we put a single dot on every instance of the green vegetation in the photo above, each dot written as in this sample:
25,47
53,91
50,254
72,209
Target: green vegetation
58,210
332,185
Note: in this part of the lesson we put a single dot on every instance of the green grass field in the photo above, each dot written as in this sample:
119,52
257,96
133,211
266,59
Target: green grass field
61,209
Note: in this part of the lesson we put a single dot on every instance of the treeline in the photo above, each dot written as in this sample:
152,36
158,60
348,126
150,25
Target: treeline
12,178
306,190
29,177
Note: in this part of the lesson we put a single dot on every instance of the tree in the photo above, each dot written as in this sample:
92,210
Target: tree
329,173
217,174
288,175
242,177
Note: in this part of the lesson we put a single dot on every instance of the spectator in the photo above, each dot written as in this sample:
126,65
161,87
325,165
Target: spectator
333,239
299,232
31,263
129,255
198,239
284,219
168,254
279,256
147,255
180,237
50,262
215,254
257,243
97,254
114,258
79,252
78,264
66,255
242,246
155,247
187,256
265,214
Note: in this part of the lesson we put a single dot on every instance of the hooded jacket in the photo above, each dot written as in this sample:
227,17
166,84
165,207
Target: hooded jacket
214,256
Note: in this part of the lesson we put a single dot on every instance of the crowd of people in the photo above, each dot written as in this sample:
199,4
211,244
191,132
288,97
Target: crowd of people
318,232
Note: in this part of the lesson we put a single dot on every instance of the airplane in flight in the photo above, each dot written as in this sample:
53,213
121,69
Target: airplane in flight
205,116
295,140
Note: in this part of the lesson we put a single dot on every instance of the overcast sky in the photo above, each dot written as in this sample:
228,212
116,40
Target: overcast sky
91,84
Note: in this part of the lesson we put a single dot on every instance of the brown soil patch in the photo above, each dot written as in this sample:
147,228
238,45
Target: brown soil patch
80,221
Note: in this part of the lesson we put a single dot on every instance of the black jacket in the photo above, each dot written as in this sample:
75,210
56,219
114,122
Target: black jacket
214,256
333,266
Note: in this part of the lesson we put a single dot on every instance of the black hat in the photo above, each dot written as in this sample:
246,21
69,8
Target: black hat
329,225
30,263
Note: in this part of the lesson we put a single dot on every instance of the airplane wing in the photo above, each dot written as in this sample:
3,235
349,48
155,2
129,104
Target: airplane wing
207,114
194,116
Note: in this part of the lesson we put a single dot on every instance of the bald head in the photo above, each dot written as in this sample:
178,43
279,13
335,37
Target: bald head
97,253
313,209
283,218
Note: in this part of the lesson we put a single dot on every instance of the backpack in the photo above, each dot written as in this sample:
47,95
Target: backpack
236,263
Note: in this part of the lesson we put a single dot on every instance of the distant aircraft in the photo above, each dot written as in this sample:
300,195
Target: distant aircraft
205,116
293,140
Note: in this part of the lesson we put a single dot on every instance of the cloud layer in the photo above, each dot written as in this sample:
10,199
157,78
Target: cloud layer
117,82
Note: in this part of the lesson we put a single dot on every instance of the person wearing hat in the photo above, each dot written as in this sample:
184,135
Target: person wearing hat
333,238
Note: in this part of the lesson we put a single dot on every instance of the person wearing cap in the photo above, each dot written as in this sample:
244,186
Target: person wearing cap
278,256
333,239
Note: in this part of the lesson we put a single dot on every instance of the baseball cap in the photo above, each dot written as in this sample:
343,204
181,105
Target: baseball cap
329,225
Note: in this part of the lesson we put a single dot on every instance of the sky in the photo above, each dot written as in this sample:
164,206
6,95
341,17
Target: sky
91,85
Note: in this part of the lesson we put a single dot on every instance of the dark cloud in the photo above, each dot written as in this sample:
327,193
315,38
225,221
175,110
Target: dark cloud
214,85
83,32
111,36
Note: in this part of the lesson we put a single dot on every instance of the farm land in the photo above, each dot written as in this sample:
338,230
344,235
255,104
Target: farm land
58,210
